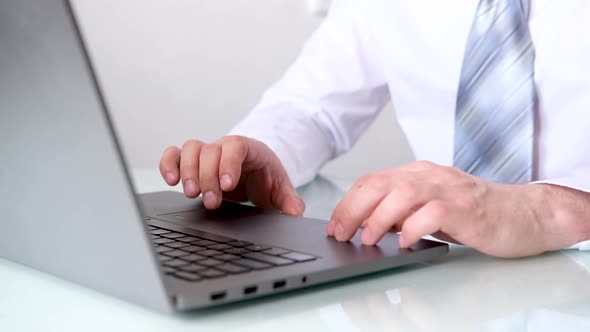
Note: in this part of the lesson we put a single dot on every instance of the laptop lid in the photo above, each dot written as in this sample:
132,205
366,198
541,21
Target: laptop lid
67,204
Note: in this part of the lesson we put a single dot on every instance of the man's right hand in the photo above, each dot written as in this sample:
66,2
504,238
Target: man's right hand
235,168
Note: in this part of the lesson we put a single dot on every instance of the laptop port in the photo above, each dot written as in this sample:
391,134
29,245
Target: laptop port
218,296
250,290
279,284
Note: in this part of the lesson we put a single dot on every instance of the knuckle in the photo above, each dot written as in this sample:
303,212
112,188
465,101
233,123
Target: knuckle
451,172
374,182
424,165
362,182
235,140
438,210
191,143
210,149
408,190
170,149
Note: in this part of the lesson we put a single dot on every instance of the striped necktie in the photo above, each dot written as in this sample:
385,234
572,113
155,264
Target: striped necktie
494,122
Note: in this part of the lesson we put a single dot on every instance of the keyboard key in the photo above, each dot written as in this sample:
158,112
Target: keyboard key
172,235
256,247
256,265
211,273
232,268
276,251
212,237
159,231
176,253
237,251
274,260
240,244
299,257
168,269
193,258
210,253
175,263
210,262
220,246
193,268
176,245
163,258
193,248
187,239
203,243
162,240
161,249
227,257
187,276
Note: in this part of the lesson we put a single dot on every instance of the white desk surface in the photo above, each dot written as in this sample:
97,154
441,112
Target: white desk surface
465,291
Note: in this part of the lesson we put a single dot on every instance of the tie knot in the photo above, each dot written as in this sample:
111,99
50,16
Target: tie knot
489,10
493,6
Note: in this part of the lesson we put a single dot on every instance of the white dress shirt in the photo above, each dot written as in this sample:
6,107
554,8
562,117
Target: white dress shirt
369,52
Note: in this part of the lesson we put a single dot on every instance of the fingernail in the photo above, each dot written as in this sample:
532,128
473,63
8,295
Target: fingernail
210,199
340,232
367,237
226,182
402,242
301,204
170,177
331,228
190,188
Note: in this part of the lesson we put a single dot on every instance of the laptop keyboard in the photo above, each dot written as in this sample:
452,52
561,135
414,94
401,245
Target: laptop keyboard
205,255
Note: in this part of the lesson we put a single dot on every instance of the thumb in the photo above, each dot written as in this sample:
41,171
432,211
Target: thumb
293,205
288,201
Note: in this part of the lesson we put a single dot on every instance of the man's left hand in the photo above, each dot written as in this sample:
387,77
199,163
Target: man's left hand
423,198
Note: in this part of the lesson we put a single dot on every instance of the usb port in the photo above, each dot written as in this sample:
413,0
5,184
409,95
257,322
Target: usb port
218,296
279,284
250,290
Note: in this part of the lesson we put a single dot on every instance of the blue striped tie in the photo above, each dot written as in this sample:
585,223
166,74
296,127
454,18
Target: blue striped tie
495,120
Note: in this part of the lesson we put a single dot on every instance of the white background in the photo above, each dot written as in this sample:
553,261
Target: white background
174,70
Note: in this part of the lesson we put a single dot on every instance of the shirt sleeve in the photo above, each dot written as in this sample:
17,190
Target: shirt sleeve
578,179
325,101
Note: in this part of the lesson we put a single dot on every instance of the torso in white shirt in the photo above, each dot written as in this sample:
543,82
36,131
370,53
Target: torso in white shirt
411,52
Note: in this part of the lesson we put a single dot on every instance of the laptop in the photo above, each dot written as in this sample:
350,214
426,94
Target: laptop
69,207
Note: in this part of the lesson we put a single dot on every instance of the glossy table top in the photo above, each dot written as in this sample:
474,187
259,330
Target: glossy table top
464,291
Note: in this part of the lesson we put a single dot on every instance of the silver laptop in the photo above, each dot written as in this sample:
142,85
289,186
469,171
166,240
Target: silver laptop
69,208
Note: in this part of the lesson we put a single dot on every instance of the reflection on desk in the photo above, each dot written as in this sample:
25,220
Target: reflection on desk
464,291
472,292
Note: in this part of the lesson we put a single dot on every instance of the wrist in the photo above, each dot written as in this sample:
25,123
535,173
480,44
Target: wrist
562,215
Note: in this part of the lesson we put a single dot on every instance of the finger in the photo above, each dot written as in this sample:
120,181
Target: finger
189,167
268,172
234,150
279,192
286,199
356,206
429,219
403,200
170,165
209,175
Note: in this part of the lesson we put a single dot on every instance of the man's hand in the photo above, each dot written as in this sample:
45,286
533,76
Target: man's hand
498,219
235,168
